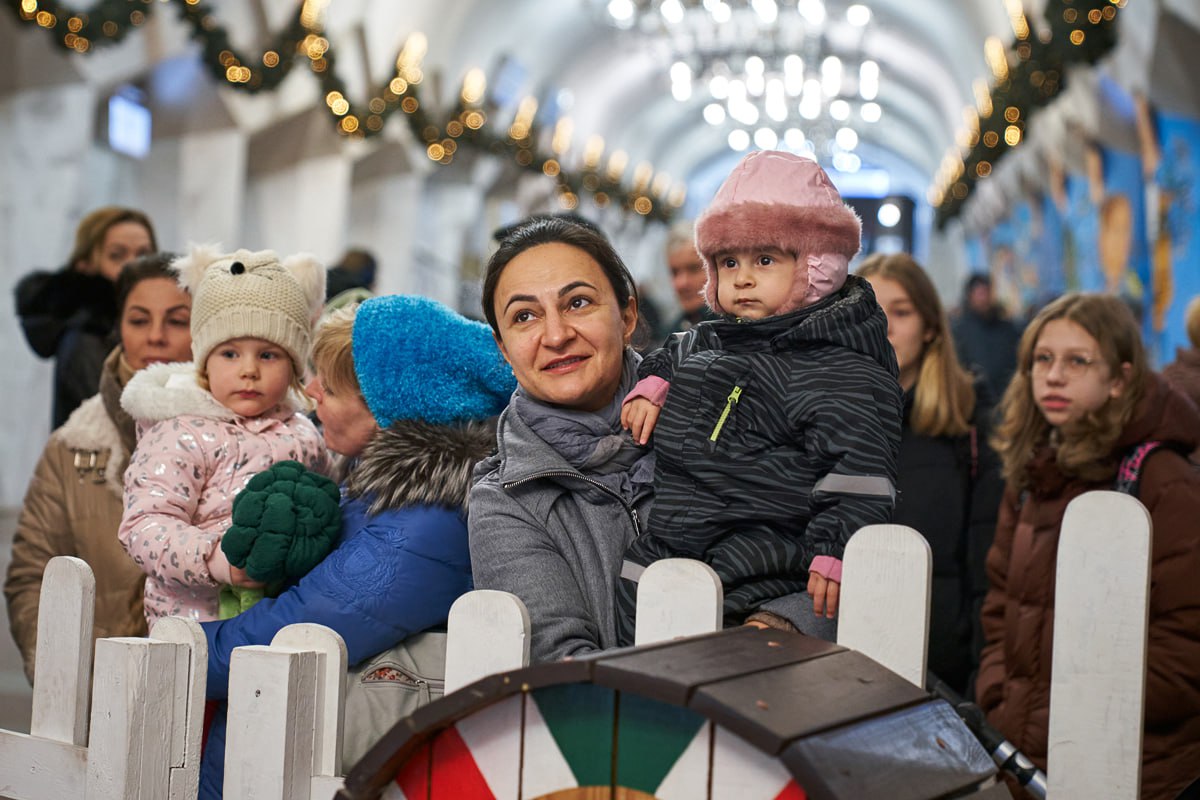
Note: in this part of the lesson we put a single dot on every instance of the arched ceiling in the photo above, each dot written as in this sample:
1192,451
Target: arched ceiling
615,81
929,52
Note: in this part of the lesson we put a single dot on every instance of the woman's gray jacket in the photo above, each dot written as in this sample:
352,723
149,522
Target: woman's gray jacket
540,529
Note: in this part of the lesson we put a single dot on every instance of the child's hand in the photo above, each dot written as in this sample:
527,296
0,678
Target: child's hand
824,594
238,577
639,417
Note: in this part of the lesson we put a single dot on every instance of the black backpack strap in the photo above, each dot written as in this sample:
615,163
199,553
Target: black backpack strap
1129,473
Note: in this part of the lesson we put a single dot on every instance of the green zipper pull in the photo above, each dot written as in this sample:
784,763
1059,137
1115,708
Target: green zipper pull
729,403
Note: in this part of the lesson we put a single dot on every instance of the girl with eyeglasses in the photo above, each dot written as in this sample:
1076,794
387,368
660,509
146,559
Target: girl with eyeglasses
1082,400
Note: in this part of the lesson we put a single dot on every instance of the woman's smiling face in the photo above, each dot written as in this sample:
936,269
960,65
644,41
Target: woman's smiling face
561,327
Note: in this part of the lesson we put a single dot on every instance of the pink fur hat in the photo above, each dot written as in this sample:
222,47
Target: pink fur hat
776,199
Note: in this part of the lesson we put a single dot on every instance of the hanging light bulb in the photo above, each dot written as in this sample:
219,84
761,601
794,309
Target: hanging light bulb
621,10
793,75
714,113
739,140
831,76
765,139
846,138
681,81
672,11
840,110
868,80
766,9
858,15
871,112
813,11
793,138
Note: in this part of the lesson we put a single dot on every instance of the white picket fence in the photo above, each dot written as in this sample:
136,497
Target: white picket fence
142,739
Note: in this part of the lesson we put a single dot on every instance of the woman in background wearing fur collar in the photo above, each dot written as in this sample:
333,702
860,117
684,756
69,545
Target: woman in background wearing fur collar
73,504
405,389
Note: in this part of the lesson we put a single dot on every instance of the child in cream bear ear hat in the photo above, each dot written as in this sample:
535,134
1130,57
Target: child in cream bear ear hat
206,428
780,421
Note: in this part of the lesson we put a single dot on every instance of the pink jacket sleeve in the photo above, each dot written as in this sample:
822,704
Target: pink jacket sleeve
163,485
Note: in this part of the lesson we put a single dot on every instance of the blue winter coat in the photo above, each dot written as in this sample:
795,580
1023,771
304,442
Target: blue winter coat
396,570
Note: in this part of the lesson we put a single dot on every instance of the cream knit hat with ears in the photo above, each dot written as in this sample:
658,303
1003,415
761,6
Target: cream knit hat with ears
252,294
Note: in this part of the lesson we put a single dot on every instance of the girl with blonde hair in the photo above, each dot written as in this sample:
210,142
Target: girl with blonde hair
948,478
1085,412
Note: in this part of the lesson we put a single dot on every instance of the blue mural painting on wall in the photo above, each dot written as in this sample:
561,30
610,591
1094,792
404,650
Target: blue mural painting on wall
1081,238
1175,249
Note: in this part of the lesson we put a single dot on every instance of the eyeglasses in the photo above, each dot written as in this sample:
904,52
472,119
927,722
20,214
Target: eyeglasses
1073,366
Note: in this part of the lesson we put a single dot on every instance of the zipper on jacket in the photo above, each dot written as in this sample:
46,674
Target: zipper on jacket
730,402
562,473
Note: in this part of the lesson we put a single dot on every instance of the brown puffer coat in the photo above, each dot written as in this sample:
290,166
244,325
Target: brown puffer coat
73,508
1013,686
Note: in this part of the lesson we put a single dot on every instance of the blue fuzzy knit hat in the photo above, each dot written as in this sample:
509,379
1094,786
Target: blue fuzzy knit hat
416,359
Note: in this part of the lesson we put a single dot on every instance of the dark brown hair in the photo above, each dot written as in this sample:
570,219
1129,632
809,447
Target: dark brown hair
556,230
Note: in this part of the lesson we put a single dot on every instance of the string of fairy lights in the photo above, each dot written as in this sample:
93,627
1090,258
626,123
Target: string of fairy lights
650,195
1027,75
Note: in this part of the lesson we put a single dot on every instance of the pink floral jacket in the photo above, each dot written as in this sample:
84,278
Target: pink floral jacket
193,457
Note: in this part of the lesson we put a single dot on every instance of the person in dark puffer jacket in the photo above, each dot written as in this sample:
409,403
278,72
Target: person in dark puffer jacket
949,477
779,435
1082,399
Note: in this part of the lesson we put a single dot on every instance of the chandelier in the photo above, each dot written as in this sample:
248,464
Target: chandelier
778,76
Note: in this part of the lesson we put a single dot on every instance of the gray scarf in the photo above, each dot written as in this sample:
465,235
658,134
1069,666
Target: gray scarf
594,442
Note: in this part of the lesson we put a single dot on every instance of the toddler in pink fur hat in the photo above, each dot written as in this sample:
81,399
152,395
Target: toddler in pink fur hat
780,421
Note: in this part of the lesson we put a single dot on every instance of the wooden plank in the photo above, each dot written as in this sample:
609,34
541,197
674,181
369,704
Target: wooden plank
331,690
272,717
677,597
62,673
917,753
191,678
740,771
488,632
672,673
1098,672
884,609
32,768
771,708
133,710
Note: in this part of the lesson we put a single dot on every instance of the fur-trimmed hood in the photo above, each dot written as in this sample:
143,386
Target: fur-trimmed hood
91,429
414,462
163,391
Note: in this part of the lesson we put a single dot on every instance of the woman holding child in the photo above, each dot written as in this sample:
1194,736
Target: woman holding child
554,510
404,389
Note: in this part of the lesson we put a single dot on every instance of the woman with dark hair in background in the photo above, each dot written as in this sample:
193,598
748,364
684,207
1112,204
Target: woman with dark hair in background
73,504
69,315
948,477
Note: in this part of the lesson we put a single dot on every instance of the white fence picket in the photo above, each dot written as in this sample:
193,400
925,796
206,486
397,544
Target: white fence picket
191,679
677,597
63,664
271,723
133,715
1098,672
487,632
884,601
331,691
